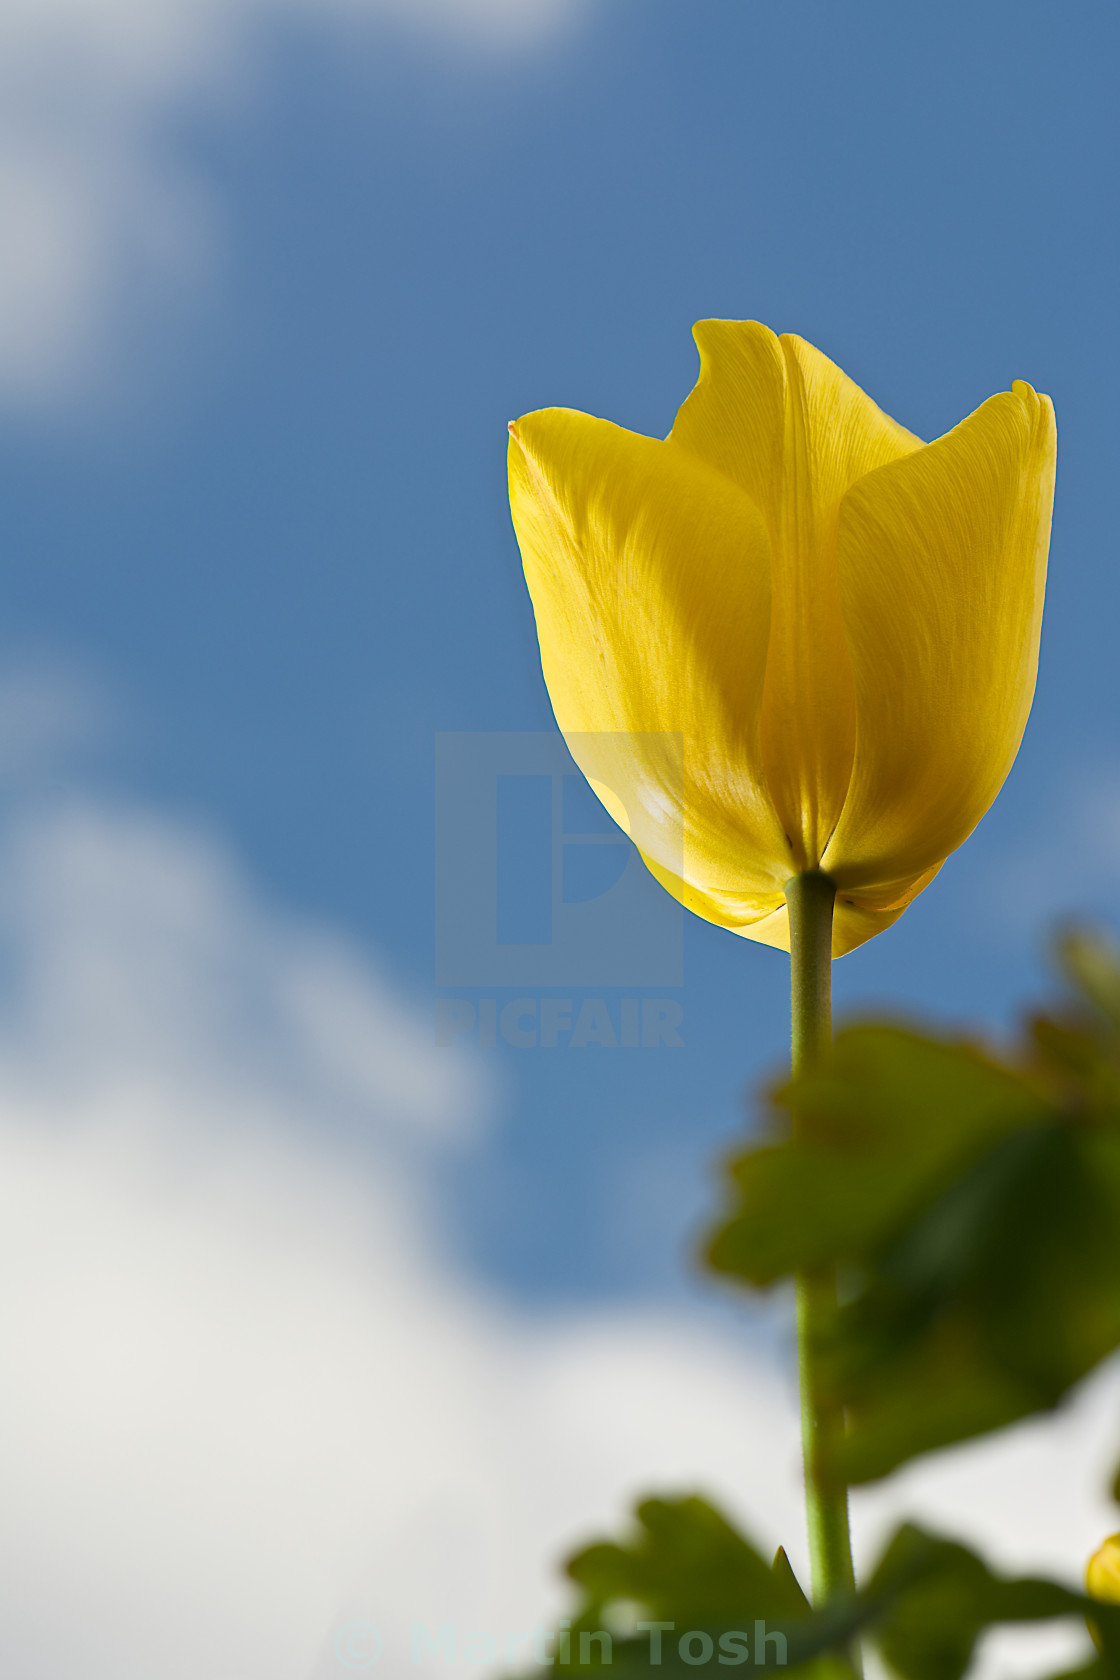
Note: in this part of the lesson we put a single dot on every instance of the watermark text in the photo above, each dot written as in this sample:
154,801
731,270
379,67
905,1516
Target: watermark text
358,1646
553,1023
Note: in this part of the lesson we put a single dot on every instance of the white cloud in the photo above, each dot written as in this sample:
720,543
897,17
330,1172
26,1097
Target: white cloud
242,1391
101,217
248,1407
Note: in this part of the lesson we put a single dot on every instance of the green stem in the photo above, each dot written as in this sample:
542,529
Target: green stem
810,899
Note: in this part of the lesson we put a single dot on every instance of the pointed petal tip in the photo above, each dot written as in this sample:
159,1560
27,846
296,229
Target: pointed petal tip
712,324
1028,393
1036,402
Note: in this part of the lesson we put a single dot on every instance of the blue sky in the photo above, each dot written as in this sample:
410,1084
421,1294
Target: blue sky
272,519
279,276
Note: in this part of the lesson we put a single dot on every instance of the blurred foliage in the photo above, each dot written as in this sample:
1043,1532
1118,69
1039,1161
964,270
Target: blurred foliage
687,1558
936,1598
687,1567
687,1570
970,1205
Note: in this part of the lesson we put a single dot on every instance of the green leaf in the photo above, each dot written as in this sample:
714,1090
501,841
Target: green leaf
970,1208
783,1570
1001,1295
893,1118
687,1568
687,1561
937,1598
940,1597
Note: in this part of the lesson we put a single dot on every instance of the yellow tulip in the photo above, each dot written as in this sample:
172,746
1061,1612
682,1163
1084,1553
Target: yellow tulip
838,623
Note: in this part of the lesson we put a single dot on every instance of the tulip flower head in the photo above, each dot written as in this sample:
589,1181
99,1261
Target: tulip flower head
837,623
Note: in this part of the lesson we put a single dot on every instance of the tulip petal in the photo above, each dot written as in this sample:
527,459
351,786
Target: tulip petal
741,912
783,422
649,576
942,565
